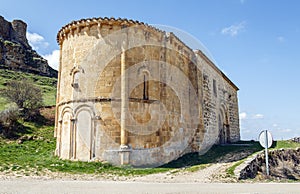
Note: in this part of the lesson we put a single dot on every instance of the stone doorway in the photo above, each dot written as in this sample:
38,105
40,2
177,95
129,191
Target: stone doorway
224,128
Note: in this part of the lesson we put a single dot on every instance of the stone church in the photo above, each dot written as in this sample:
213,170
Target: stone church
131,94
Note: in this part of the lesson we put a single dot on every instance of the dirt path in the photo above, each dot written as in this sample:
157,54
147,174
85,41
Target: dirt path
212,173
209,174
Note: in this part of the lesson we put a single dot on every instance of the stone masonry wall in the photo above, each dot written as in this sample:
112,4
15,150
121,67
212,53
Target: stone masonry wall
220,106
170,105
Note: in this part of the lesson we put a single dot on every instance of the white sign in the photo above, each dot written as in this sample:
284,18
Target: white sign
265,139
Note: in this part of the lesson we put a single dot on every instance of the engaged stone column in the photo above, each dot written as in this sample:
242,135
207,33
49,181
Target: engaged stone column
124,148
124,99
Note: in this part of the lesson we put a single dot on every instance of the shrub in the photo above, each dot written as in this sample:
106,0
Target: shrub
9,120
26,96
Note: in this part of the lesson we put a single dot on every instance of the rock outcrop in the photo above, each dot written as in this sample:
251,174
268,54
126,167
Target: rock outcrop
283,164
17,54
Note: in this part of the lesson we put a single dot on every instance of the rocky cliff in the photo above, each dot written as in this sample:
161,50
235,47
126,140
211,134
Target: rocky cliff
17,54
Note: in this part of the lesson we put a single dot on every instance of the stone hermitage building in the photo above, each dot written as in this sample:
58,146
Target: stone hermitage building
131,94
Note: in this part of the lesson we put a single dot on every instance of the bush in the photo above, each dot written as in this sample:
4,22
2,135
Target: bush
9,120
26,96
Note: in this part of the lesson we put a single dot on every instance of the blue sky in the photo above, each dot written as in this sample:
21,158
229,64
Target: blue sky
255,42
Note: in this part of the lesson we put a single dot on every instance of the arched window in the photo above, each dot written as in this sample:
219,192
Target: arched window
75,73
215,88
146,86
75,79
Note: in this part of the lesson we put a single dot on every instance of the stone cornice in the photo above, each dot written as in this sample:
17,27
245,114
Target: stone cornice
98,21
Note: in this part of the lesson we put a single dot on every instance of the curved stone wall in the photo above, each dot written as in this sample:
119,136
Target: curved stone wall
129,93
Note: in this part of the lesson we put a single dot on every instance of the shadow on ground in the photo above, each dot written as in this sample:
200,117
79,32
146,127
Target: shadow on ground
215,154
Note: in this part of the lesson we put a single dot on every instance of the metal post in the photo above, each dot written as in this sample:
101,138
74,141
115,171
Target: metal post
266,153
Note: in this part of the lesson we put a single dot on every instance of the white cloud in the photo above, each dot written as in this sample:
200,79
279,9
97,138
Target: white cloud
285,130
280,39
36,41
53,59
243,115
258,116
234,30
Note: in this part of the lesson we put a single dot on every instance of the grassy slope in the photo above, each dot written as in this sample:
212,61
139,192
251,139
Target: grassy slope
36,155
47,85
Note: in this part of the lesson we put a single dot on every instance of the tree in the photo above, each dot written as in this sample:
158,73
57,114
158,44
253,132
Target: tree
26,95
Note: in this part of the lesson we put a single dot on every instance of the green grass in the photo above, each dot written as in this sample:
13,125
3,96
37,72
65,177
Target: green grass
197,167
231,169
285,144
37,156
47,85
2,103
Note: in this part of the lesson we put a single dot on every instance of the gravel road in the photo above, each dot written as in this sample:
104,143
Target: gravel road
112,187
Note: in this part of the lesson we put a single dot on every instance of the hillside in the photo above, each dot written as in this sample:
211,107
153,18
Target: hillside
17,54
47,85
